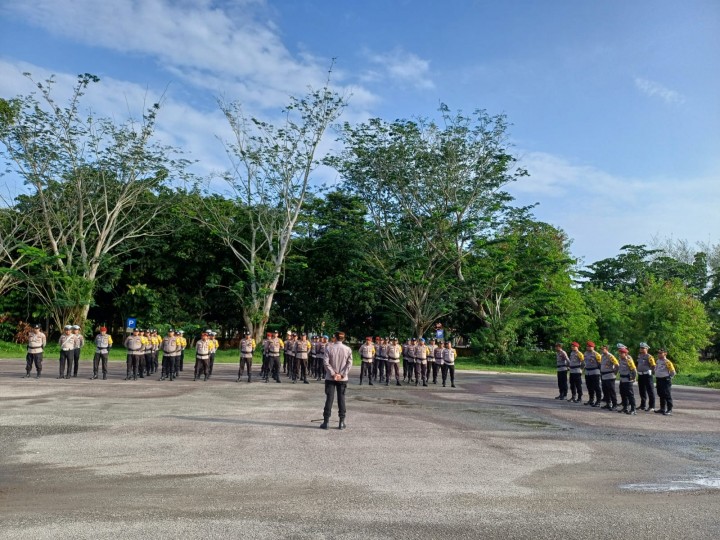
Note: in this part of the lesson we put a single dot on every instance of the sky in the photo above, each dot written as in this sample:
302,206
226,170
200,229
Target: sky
614,105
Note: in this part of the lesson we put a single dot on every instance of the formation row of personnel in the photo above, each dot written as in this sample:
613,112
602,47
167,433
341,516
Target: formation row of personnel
602,369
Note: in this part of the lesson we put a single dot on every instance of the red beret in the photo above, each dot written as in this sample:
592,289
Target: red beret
370,338
590,344
575,344
103,329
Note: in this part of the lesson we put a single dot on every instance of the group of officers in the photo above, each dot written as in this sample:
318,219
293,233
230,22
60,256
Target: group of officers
301,357
603,368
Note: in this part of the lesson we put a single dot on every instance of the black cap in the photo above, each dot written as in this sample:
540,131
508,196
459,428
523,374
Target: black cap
36,325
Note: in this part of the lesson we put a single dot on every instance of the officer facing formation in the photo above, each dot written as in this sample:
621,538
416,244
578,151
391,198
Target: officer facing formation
338,361
367,354
247,348
171,346
35,348
202,356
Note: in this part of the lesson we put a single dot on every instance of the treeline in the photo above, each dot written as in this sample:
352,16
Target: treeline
419,230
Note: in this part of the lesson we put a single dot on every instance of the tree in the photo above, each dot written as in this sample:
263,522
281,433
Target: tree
442,185
91,190
269,180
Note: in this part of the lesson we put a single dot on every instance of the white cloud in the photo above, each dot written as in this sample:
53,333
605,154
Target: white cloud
233,49
601,212
401,67
655,89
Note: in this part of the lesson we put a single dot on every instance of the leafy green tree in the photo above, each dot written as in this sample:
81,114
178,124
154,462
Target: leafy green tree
92,182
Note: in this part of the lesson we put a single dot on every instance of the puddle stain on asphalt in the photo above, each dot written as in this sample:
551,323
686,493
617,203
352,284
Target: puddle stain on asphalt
697,482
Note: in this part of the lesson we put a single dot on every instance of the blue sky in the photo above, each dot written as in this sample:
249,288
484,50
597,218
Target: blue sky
614,104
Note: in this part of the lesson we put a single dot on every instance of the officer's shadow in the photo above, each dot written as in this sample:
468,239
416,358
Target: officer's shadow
244,422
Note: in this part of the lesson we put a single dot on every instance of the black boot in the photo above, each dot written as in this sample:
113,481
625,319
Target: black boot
342,424
324,425
27,375
38,375
104,376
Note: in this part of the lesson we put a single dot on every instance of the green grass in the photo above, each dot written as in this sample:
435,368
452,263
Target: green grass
705,374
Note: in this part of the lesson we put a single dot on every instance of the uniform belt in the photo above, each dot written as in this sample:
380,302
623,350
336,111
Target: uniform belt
625,378
648,372
367,357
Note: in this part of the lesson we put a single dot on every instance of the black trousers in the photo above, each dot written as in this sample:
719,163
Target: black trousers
393,366
645,387
169,365
381,368
76,361
149,362
576,384
211,363
100,359
592,382
31,359
134,362
627,394
420,371
201,366
410,370
179,362
66,359
664,384
366,368
608,388
273,369
562,377
448,368
301,365
331,388
245,362
405,368
435,369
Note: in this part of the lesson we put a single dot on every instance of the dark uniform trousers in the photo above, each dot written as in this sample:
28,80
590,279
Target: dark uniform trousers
381,368
446,368
645,387
576,385
149,362
562,378
420,371
36,359
245,362
593,387
211,363
169,366
179,363
202,366
66,359
608,388
435,369
273,369
627,394
301,366
331,388
98,359
366,368
133,363
76,362
392,366
664,385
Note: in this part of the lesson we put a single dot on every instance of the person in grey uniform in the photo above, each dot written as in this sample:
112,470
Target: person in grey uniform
170,347
645,366
367,353
135,349
577,363
437,360
79,343
247,348
394,351
448,364
664,372
103,343
35,348
592,374
67,352
338,361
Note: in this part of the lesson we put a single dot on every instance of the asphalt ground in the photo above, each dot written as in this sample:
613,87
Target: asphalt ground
495,457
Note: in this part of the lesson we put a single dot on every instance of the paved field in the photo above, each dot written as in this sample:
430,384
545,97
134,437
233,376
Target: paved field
495,457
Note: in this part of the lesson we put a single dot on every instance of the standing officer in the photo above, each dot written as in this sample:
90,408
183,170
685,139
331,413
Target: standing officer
202,356
338,361
79,343
134,346
170,346
577,362
393,360
183,345
289,355
367,353
437,360
275,344
302,347
562,362
35,347
103,343
628,374
322,346
149,351
67,351
664,372
405,353
421,355
608,368
412,353
645,366
264,369
592,374
247,348
448,364
381,359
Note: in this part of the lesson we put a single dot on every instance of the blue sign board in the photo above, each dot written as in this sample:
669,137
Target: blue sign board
131,323
440,334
